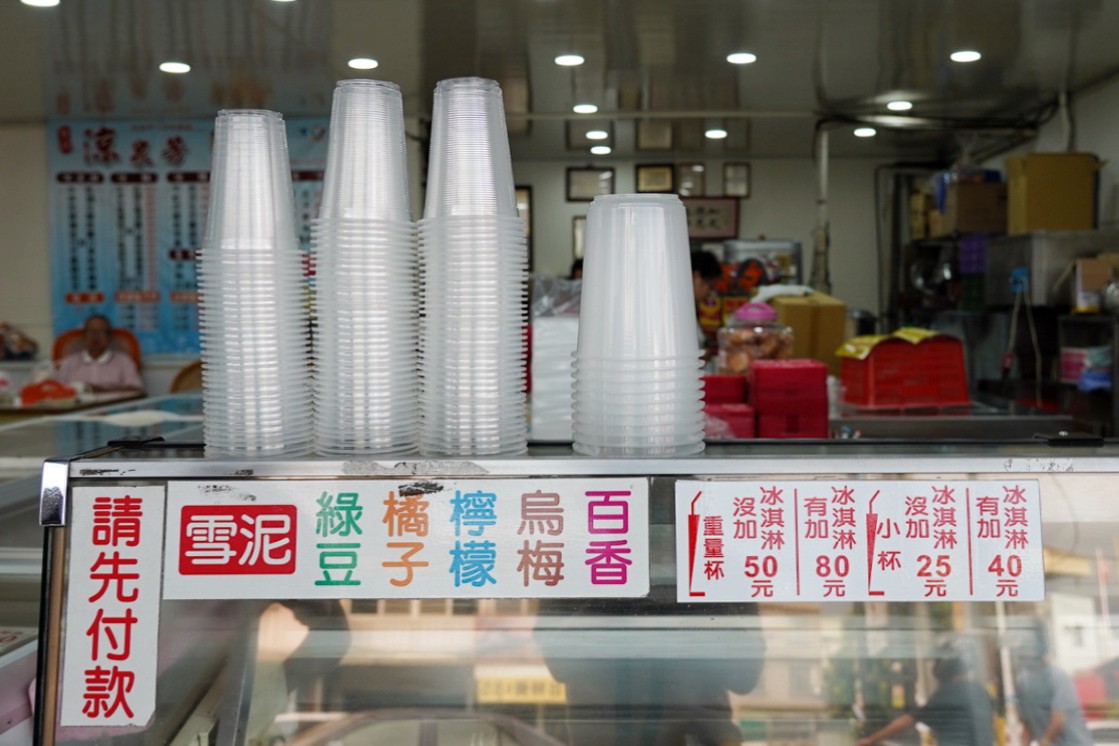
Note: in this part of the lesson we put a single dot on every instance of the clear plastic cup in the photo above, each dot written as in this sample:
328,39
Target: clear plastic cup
638,300
366,172
470,170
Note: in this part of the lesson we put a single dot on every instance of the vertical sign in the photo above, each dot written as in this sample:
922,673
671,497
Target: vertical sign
859,540
398,539
112,606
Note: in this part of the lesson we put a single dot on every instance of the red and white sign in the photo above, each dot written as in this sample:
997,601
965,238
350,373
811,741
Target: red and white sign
849,540
112,606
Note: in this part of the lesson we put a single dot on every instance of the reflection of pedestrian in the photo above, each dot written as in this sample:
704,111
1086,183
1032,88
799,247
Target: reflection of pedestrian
630,683
1047,700
959,712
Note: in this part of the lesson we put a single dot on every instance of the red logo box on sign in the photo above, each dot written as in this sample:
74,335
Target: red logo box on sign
237,540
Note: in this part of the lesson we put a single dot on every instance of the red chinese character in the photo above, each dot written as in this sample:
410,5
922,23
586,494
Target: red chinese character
116,520
1015,495
110,571
105,692
743,506
944,495
772,496
116,631
102,141
141,154
843,495
174,152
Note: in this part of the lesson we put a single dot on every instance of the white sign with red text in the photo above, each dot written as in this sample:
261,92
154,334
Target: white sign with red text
408,539
850,540
112,606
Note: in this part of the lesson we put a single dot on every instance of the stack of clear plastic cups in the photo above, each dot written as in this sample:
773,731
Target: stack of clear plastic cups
638,386
365,301
474,274
256,382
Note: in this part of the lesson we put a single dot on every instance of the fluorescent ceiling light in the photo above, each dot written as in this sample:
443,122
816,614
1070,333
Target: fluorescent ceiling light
173,67
601,150
899,105
569,60
742,58
865,132
715,133
966,55
597,135
584,108
363,63
40,3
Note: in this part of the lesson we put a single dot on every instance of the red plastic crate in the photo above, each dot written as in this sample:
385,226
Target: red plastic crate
724,389
793,425
898,373
739,417
789,386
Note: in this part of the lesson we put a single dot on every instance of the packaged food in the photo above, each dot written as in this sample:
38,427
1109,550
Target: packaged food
752,333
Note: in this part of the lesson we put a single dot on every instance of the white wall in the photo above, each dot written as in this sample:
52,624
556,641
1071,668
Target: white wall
24,252
782,204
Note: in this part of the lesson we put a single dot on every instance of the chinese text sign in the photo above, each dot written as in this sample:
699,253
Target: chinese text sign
112,606
399,539
845,540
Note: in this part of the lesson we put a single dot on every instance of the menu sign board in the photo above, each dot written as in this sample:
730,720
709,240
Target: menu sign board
852,540
408,539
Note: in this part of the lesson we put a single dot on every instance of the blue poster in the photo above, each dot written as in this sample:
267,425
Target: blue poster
127,209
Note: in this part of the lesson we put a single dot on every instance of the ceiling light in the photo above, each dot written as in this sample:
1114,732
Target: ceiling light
597,135
742,58
175,68
899,105
363,63
965,55
601,150
865,132
584,108
698,168
569,60
41,3
284,1
715,133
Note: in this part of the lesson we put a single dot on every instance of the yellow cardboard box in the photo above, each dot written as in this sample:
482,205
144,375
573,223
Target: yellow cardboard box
819,324
1051,192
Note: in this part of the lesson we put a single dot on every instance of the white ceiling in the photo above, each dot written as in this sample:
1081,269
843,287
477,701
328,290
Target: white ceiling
821,63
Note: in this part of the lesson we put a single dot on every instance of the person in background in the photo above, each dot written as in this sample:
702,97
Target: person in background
959,712
1047,701
706,271
97,366
576,270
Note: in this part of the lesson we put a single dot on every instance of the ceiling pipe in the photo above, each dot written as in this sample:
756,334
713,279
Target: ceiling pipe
821,277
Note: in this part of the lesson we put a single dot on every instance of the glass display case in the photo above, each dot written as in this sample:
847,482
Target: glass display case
783,593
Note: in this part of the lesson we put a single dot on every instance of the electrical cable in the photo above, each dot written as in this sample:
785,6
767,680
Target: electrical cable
1037,353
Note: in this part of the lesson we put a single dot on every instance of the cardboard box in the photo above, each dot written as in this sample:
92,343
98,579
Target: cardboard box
819,323
974,208
1089,276
1051,192
920,206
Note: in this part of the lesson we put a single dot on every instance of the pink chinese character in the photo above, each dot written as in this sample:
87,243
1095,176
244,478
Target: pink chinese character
608,561
944,495
987,505
843,495
772,496
816,507
608,517
743,506
916,505
1015,495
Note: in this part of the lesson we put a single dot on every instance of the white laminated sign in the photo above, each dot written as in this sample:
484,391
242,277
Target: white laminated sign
497,538
112,606
899,540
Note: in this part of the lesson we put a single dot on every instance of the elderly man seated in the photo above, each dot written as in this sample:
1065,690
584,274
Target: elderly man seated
97,366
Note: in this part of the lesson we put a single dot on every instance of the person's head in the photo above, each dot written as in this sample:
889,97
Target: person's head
95,333
1028,646
706,271
576,270
954,658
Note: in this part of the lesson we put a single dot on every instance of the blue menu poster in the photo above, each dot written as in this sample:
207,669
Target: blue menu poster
127,207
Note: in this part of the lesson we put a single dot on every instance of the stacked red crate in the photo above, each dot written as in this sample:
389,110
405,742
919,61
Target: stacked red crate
790,398
908,369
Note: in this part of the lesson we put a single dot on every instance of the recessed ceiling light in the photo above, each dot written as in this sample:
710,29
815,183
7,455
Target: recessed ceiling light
597,135
865,132
41,3
601,150
570,60
584,108
965,55
715,133
363,63
284,1
175,68
899,105
742,58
